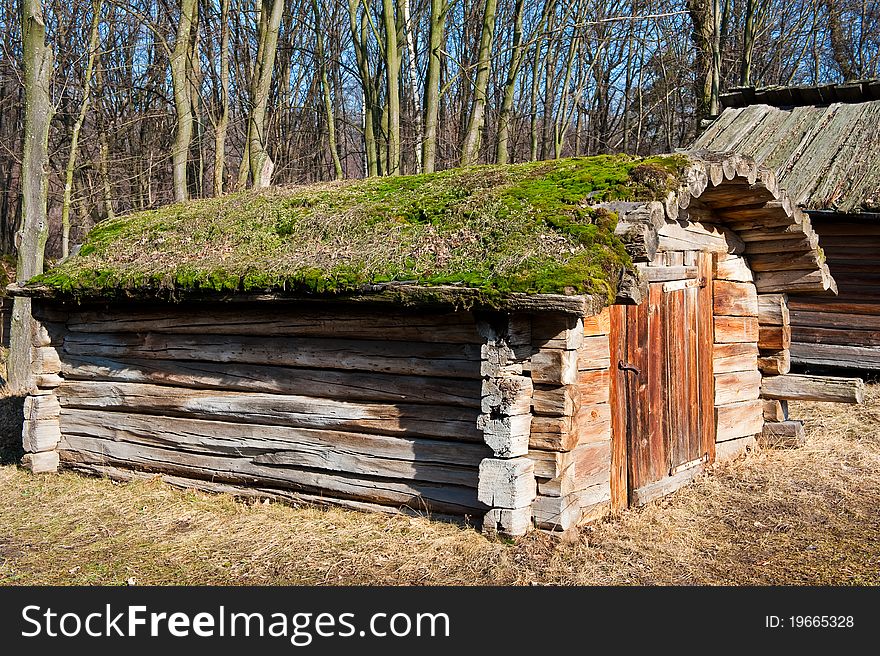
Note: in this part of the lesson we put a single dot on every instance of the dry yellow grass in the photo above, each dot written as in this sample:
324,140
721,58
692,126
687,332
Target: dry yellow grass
807,516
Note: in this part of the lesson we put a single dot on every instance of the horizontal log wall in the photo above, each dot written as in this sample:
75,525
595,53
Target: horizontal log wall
377,409
843,330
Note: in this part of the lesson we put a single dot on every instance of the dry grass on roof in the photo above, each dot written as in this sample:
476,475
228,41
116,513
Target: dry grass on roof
804,517
530,228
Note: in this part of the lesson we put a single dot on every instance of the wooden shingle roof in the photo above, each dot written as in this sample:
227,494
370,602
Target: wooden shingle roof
826,155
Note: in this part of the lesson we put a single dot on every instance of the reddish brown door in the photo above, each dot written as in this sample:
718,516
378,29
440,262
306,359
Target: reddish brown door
664,375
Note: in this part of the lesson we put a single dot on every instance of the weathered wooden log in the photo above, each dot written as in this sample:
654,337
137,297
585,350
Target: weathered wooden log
353,323
238,470
774,338
45,462
336,451
508,437
736,356
334,384
737,386
507,483
405,358
594,386
797,387
783,435
40,435
775,410
733,268
510,522
735,329
699,237
507,396
812,280
835,355
555,400
554,367
735,299
443,422
595,353
738,420
639,238
775,363
784,261
550,464
632,289
561,332
773,310
554,513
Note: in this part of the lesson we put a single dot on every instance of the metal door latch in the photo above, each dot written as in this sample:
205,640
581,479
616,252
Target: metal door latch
623,366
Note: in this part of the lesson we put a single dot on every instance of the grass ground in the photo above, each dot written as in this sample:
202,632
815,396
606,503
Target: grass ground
806,516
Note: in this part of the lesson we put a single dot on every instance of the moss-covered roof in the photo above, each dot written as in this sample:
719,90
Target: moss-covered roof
528,228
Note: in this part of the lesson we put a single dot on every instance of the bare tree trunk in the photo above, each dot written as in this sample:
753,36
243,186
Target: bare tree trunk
325,90
77,127
392,78
503,142
437,42
181,60
34,230
470,149
705,35
409,33
841,57
222,127
270,25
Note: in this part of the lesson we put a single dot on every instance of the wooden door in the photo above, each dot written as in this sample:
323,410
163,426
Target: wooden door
665,385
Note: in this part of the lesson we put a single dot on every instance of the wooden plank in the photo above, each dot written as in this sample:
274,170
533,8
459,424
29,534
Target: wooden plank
739,419
356,453
348,385
733,268
293,321
774,338
692,445
637,410
76,449
785,261
730,330
783,435
775,363
592,464
738,386
592,423
444,422
706,339
737,299
773,310
797,387
657,383
664,486
664,274
736,356
830,304
617,411
594,386
406,358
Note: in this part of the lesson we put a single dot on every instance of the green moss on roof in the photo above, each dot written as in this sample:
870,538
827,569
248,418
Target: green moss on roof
529,228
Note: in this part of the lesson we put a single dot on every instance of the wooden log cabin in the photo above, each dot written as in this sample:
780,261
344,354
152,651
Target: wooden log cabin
824,145
516,401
